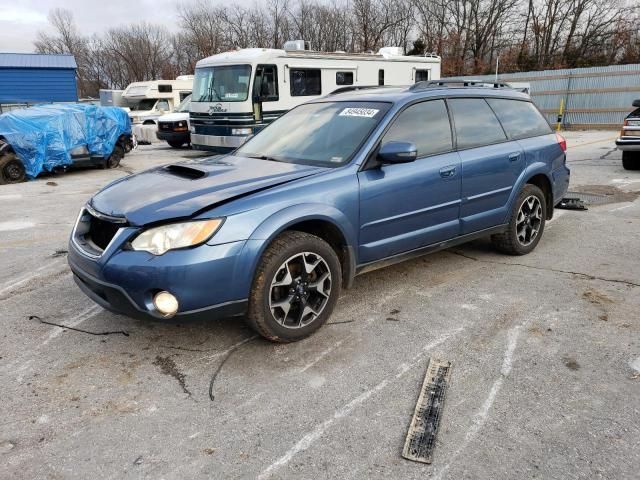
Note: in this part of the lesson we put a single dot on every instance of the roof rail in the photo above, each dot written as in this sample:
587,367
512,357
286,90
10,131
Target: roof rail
458,83
354,88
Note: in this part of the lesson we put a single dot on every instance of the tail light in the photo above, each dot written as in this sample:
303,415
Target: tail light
626,123
562,142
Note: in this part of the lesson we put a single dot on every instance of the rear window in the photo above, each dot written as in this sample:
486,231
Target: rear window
475,122
519,118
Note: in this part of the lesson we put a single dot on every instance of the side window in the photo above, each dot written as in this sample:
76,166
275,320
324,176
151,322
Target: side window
380,77
519,118
422,75
265,84
424,124
162,105
304,82
344,78
475,122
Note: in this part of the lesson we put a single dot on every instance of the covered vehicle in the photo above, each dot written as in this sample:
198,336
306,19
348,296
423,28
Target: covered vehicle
48,137
629,140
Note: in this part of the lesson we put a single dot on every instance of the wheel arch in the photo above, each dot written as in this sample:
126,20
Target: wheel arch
538,176
323,221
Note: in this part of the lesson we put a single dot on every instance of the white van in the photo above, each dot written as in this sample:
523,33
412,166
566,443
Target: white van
235,94
174,127
149,100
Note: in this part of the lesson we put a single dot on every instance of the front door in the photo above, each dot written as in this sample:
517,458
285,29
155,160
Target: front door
411,205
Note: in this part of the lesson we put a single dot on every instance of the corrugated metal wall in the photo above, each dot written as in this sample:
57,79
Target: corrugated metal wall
29,85
596,97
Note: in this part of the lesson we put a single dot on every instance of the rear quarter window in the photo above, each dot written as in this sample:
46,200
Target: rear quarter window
519,118
475,123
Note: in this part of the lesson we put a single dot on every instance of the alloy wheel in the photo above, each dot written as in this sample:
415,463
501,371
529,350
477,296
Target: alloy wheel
529,220
300,290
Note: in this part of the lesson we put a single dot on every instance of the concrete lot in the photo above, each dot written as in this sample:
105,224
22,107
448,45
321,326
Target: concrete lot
545,351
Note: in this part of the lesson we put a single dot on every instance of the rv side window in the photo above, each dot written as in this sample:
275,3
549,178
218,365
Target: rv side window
422,75
304,82
165,88
344,78
162,106
380,77
265,85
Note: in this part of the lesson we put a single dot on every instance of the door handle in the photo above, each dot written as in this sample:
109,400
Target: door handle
514,156
448,172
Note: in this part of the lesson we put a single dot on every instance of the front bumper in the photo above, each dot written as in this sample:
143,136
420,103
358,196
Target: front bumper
218,142
207,280
169,136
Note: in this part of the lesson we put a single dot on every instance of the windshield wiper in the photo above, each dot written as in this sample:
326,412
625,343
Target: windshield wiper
264,157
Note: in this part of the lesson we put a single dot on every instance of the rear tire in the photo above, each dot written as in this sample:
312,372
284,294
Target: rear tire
175,144
526,224
11,169
631,160
295,288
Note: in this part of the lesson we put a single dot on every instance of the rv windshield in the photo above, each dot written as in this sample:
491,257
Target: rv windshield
327,134
146,104
222,83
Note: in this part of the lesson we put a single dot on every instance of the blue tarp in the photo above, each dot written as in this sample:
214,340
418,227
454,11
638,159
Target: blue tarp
44,136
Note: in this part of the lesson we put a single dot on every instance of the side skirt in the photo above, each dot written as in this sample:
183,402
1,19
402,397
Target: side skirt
418,252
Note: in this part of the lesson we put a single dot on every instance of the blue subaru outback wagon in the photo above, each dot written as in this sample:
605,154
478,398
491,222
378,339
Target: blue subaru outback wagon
333,188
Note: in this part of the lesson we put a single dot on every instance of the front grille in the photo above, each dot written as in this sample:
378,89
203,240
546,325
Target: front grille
165,126
94,231
101,232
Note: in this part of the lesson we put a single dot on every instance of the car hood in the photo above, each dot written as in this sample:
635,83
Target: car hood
184,189
174,117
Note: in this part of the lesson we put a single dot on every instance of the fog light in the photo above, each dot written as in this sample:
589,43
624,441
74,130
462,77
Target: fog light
241,131
166,303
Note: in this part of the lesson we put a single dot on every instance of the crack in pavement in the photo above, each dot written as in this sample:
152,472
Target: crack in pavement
547,269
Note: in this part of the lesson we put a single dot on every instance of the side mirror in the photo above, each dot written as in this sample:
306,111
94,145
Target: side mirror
397,152
636,103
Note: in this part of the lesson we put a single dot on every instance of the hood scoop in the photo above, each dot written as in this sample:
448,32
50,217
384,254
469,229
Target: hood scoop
183,171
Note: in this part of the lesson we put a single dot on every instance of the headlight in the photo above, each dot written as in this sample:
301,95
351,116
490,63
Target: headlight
182,124
159,240
241,131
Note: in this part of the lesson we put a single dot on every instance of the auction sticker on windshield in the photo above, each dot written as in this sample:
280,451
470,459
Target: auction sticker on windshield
359,112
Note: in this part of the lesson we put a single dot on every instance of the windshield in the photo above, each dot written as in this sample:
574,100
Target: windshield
146,104
222,83
325,134
184,106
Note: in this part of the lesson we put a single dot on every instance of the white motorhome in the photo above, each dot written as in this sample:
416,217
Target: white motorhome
149,100
235,94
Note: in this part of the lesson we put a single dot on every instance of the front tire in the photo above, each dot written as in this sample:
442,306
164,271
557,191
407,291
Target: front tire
11,169
526,224
295,288
631,160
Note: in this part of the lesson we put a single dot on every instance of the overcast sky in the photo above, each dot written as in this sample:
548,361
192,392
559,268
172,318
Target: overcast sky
21,19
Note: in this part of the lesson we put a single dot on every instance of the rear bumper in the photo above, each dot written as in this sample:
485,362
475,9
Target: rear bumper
628,144
206,280
183,137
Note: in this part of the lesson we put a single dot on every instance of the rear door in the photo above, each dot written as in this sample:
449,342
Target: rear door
410,205
491,164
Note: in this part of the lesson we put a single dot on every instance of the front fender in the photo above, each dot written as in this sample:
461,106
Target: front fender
280,221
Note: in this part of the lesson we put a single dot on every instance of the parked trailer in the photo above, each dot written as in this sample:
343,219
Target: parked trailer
238,93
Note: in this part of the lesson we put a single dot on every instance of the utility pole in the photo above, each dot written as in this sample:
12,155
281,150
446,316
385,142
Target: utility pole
497,65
